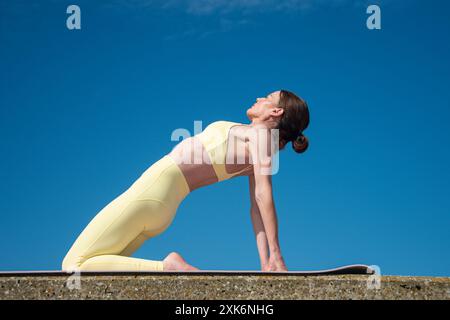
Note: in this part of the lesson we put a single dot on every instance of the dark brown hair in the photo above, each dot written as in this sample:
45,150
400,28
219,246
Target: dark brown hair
294,120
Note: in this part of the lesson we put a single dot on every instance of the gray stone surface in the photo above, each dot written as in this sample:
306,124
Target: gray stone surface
219,286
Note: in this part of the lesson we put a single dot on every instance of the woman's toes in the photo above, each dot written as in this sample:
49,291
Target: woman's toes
174,261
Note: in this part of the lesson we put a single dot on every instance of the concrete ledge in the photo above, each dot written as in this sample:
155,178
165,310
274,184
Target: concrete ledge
217,286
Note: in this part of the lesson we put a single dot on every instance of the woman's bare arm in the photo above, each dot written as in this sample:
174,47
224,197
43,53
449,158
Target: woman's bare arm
262,167
258,226
264,200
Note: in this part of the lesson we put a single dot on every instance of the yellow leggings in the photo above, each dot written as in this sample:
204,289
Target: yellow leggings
145,210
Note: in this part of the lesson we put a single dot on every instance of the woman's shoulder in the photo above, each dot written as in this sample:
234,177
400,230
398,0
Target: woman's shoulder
222,124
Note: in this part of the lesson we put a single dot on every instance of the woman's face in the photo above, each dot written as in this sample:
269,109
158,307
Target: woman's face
264,107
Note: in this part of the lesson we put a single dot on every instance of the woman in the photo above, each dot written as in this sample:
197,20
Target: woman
148,207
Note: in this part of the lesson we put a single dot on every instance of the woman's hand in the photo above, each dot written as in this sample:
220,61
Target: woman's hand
276,263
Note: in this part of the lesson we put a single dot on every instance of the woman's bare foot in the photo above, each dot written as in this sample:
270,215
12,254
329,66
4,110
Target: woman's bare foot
175,262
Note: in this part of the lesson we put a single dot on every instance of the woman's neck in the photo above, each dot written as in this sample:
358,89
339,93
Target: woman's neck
269,124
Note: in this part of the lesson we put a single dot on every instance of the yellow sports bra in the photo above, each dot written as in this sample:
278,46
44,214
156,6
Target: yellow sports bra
215,141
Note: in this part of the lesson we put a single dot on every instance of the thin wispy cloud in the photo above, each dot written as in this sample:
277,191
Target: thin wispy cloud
208,7
229,15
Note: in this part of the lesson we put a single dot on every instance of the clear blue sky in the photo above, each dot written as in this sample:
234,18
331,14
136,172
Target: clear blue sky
85,112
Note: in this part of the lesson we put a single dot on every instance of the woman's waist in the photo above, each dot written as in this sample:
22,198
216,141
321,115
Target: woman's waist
164,182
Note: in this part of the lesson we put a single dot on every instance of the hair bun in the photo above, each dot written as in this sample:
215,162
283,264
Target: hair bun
300,144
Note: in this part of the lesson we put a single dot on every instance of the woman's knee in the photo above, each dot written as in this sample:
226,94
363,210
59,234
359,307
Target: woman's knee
77,264
70,264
